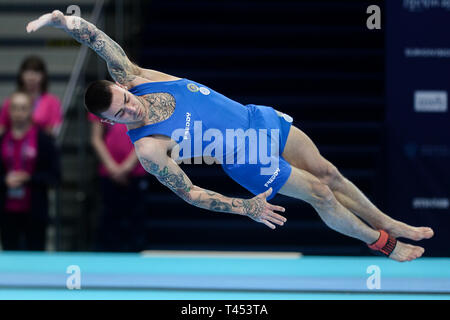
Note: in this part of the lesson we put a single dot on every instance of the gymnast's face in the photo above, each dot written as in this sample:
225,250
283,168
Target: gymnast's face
125,107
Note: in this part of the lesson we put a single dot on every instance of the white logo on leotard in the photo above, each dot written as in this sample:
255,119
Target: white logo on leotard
192,87
188,124
272,178
286,117
204,91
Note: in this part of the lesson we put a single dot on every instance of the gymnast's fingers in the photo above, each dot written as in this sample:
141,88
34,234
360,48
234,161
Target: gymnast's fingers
276,217
277,208
267,223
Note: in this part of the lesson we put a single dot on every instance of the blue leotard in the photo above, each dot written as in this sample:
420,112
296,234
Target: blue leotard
246,140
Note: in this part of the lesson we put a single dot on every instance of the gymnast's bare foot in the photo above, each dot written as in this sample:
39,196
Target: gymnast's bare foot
399,229
406,252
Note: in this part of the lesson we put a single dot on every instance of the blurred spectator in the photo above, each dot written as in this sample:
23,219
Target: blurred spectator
124,186
29,165
47,111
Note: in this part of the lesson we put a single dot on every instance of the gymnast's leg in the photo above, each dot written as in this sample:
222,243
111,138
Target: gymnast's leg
304,186
301,152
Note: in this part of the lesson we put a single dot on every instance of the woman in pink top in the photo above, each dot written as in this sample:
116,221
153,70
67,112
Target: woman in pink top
115,151
122,180
29,166
47,111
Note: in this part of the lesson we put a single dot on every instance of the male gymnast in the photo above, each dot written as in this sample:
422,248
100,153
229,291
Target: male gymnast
154,105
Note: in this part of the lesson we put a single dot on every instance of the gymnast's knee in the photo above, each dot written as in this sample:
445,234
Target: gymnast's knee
330,175
321,195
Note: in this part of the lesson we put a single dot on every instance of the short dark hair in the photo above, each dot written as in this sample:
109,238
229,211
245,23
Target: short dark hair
98,97
36,64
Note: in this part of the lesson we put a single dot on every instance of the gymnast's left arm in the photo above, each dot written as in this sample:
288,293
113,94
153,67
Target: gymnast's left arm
120,67
167,171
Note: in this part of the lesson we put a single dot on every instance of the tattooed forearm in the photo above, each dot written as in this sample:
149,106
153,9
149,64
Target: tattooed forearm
218,205
213,201
175,182
179,183
119,66
252,208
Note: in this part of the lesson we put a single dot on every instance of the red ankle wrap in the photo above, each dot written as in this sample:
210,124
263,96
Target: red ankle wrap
385,243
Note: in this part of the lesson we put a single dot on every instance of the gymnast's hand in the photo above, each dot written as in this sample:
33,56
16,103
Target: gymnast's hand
260,210
55,19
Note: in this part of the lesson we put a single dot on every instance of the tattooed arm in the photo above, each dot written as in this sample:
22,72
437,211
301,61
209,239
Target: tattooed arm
170,174
120,67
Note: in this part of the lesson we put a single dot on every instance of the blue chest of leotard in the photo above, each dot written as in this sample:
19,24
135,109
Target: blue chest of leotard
201,116
206,123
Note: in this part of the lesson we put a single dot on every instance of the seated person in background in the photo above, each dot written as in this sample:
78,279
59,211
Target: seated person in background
29,166
46,108
121,227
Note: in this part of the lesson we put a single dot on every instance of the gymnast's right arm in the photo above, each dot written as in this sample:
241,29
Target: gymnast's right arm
120,67
167,171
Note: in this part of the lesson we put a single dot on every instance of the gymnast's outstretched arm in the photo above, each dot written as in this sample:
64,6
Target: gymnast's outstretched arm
167,171
120,67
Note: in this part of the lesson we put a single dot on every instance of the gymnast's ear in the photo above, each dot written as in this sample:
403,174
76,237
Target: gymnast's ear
122,86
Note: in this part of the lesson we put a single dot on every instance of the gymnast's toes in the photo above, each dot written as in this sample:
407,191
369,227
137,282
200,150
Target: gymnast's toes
406,252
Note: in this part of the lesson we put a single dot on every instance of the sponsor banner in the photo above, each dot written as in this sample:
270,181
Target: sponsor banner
417,117
430,101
